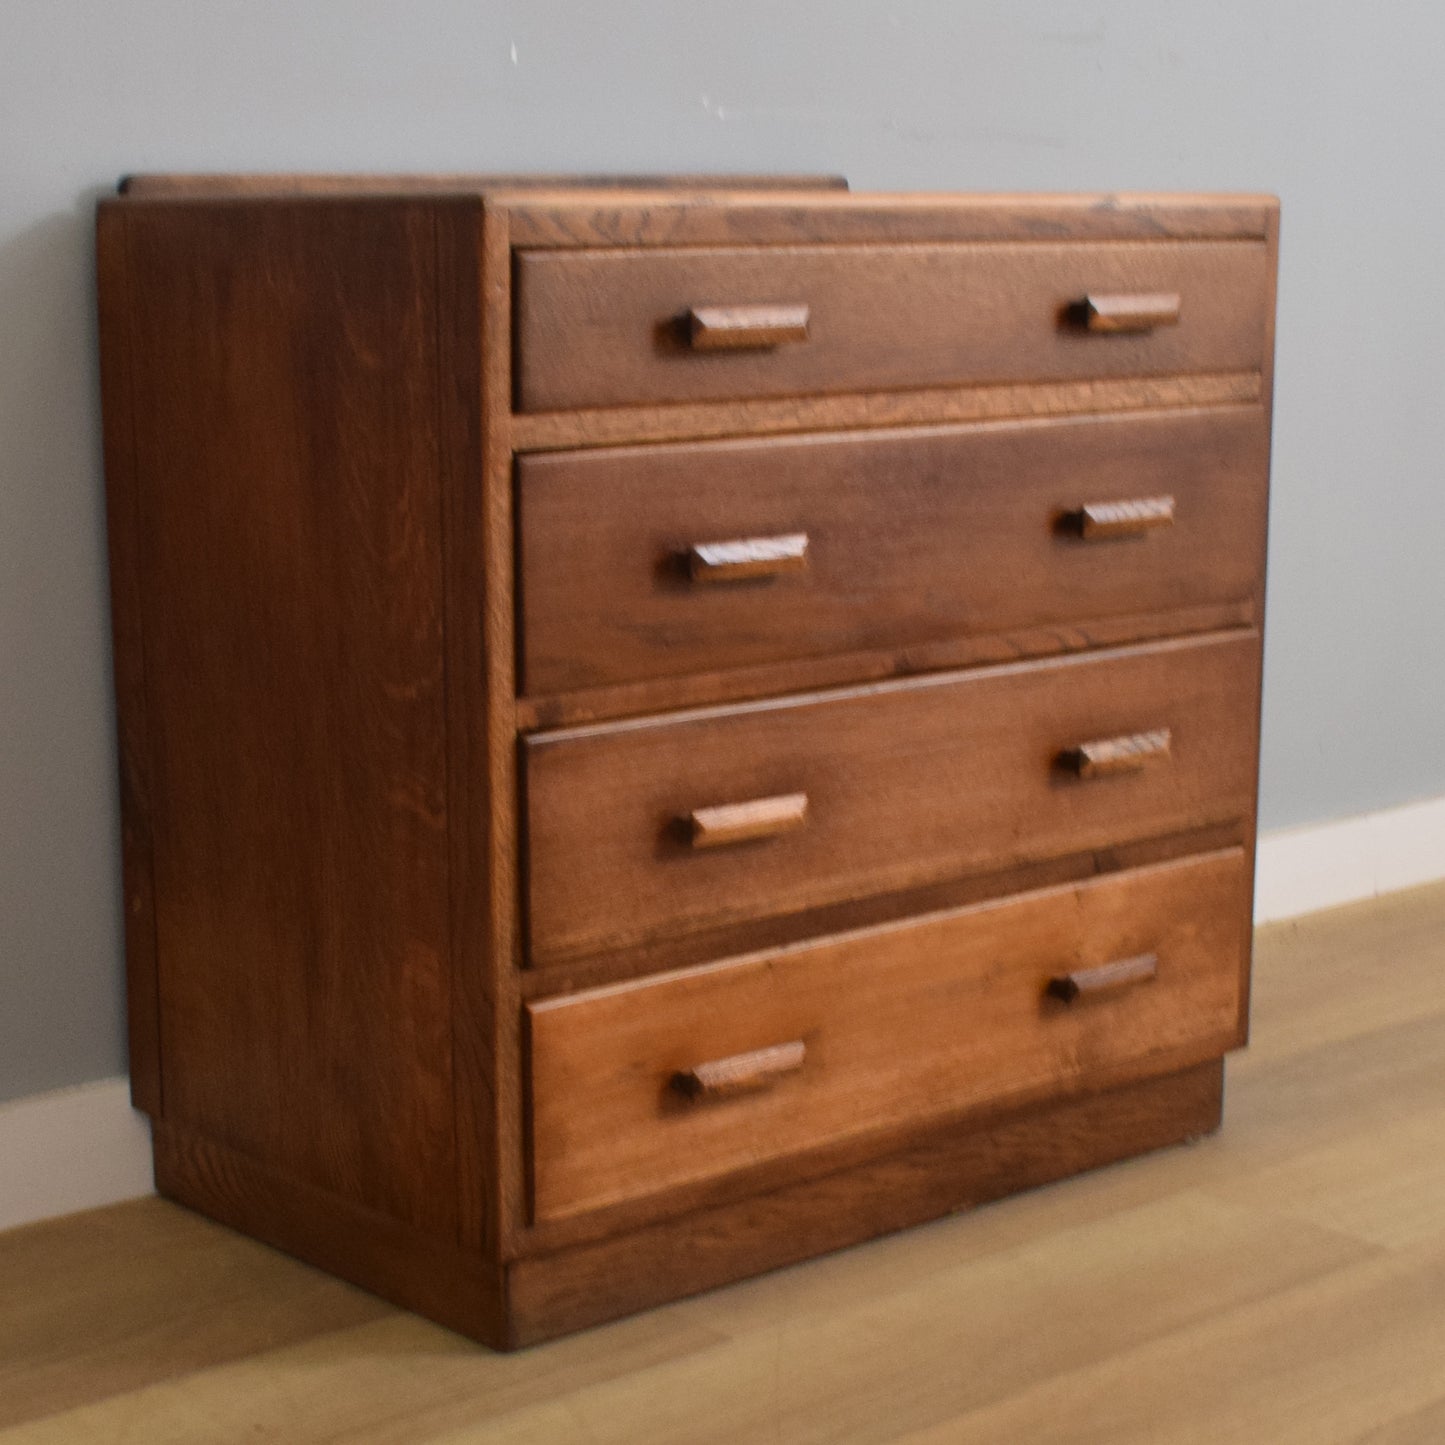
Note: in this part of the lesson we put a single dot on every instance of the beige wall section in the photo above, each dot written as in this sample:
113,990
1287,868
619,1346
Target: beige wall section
1323,103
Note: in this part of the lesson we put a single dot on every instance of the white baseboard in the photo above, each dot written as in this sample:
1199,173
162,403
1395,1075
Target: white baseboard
83,1147
1321,865
71,1150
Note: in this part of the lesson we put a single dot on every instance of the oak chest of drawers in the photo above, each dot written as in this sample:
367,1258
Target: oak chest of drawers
671,727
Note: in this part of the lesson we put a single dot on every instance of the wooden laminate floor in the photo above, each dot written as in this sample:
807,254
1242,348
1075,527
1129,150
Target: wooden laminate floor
1281,1282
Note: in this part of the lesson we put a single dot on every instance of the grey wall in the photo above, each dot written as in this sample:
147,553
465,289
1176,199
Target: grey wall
1335,106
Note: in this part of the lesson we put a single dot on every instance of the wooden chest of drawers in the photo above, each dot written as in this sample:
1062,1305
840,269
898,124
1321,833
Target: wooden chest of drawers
671,727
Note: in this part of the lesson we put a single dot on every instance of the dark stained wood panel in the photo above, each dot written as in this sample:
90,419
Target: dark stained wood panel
123,519
473,802
912,539
417,1268
607,327
285,380
906,784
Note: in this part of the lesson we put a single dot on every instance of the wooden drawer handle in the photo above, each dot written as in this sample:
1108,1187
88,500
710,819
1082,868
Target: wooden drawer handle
745,328
1107,756
1099,521
744,822
748,558
1129,311
740,1074
1106,978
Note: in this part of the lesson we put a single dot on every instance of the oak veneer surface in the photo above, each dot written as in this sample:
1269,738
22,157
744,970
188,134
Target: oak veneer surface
966,993
928,406
906,784
912,538
412,740
1280,1282
128,668
599,328
291,606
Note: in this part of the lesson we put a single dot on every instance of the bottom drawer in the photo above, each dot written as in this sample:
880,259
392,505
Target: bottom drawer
641,1086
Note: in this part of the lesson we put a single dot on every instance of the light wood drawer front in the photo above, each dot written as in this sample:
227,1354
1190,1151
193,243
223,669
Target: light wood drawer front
897,539
903,784
879,1028
608,328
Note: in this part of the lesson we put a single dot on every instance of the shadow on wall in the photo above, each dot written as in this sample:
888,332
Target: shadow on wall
60,907
49,376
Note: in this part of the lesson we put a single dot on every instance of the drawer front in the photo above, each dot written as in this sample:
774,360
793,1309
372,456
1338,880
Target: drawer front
612,327
653,1084
881,541
651,828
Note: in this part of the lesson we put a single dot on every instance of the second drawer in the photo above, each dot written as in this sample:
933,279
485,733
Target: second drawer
651,562
647,829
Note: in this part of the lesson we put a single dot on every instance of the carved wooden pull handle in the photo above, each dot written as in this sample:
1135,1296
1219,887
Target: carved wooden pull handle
1107,756
744,822
1106,978
745,328
1099,521
747,558
740,1074
1129,311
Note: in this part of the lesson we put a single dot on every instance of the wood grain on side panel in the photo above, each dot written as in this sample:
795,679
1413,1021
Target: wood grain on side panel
473,801
126,523
418,1269
286,391
504,948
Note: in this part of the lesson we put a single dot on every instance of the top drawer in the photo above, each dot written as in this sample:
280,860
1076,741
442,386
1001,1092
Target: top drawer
613,327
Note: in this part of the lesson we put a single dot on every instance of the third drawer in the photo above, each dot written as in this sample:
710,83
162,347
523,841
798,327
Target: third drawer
643,830
878,542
